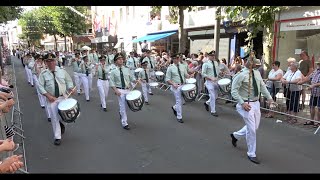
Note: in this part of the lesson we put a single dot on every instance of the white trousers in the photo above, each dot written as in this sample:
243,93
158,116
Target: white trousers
122,106
145,87
55,117
90,81
103,88
40,96
178,96
29,75
85,81
252,120
213,94
77,80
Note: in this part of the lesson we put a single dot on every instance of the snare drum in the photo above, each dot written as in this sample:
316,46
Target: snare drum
159,76
191,81
135,100
136,72
225,85
153,84
189,92
69,110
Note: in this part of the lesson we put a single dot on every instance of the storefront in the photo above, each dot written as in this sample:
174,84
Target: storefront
297,29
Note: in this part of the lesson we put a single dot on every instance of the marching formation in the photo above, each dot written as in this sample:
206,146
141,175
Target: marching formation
123,73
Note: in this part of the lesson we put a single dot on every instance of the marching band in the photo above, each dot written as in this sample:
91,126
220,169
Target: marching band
54,86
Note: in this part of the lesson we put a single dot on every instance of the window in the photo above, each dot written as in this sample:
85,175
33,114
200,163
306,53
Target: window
209,7
200,8
90,30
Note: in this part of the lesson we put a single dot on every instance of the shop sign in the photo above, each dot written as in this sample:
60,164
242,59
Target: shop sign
300,25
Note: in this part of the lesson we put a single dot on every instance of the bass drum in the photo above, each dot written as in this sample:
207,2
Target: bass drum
159,76
189,92
69,110
135,100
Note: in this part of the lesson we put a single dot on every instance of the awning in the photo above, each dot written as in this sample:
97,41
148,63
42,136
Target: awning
153,37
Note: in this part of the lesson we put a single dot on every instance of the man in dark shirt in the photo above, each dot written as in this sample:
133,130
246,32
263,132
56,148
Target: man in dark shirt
306,68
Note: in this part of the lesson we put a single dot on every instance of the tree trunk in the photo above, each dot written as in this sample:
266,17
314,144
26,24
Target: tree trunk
55,43
182,32
65,43
267,47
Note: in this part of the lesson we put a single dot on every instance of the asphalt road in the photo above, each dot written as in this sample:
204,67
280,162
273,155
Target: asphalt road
157,143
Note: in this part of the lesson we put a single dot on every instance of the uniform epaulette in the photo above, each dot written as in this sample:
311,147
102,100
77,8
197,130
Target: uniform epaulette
44,71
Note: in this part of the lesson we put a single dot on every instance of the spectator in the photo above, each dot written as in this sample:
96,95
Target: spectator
306,69
273,83
291,78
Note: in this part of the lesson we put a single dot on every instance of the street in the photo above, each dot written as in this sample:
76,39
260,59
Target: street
157,143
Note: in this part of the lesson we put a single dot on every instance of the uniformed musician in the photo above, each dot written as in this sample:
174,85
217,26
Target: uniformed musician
76,71
144,77
151,66
120,79
54,83
103,81
246,87
26,60
176,76
210,71
86,76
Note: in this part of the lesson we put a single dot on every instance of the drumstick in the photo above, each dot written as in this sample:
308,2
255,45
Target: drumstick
68,94
134,85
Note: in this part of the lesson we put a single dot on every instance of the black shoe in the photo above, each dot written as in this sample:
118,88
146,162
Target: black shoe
126,127
180,120
105,109
63,128
49,119
174,111
42,107
57,142
88,100
234,140
120,115
227,102
206,106
151,94
215,114
147,103
254,160
32,85
101,105
79,94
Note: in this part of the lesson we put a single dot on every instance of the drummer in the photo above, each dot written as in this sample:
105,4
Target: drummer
210,71
151,66
103,81
53,83
120,79
176,76
86,76
131,63
144,76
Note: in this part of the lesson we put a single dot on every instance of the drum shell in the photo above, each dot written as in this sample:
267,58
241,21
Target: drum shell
71,114
136,104
189,95
225,88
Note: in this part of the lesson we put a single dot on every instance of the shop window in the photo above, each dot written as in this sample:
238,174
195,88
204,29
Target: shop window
200,8
210,7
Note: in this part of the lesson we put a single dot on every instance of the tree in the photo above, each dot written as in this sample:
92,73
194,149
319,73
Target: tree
257,18
46,21
9,13
177,16
31,31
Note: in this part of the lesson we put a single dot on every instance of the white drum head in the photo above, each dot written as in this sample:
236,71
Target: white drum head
135,94
159,73
191,81
224,81
67,104
138,70
154,84
187,87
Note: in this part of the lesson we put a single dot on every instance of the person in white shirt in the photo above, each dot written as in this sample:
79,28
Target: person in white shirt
291,78
273,83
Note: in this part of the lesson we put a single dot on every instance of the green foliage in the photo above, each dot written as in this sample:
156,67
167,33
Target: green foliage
9,13
255,17
31,30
